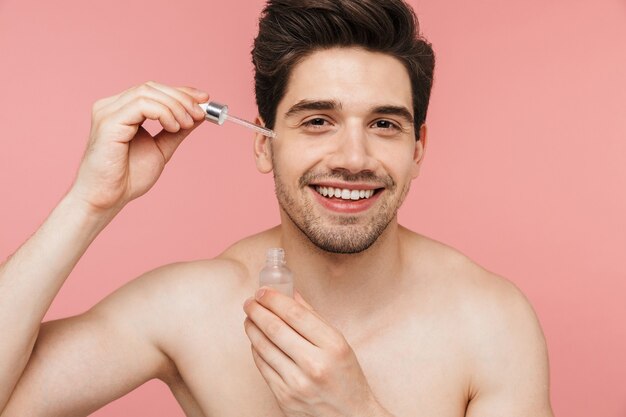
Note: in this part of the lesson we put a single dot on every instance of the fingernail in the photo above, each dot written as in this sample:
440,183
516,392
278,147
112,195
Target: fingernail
260,293
248,301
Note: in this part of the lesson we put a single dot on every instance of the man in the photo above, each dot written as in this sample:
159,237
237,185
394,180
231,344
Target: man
394,323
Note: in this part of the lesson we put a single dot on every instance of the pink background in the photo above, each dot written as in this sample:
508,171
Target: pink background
523,170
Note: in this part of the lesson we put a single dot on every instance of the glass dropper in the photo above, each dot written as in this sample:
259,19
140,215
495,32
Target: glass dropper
218,113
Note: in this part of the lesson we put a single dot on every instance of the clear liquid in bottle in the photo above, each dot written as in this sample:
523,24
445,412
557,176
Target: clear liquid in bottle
275,274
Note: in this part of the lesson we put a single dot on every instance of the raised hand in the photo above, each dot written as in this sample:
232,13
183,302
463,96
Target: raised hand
122,160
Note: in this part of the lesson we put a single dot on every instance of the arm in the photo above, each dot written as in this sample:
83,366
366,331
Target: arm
31,278
511,375
121,163
81,363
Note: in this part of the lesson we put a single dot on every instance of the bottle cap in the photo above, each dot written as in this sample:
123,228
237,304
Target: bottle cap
215,112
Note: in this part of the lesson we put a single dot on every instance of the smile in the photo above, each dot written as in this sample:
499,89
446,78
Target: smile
344,193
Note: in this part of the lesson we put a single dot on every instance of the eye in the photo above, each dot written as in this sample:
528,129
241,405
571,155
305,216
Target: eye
386,125
316,122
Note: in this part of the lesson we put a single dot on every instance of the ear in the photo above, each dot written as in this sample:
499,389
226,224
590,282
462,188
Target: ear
262,150
420,148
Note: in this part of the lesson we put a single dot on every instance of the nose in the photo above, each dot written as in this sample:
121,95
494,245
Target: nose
352,152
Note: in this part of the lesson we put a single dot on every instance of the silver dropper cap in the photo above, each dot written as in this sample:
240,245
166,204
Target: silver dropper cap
215,112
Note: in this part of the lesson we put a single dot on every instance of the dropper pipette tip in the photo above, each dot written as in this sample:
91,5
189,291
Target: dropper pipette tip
260,129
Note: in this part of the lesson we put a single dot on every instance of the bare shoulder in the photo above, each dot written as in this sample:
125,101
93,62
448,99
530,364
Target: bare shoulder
171,288
490,305
174,302
474,289
193,286
503,339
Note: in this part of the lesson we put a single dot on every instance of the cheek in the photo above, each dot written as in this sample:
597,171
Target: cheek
296,156
397,161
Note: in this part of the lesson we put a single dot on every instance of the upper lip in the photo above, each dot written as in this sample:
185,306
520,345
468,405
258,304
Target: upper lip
347,185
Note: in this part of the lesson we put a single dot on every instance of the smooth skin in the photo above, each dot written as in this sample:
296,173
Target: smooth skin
409,327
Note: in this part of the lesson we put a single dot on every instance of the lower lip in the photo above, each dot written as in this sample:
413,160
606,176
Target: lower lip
339,205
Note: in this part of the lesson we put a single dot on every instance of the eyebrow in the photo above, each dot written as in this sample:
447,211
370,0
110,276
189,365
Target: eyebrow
306,105
399,111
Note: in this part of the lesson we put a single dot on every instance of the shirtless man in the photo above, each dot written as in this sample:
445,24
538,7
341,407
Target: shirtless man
394,323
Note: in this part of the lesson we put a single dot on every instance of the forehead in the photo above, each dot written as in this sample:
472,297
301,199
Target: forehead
354,77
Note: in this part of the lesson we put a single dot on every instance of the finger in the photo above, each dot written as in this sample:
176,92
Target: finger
307,323
297,347
183,117
271,377
275,358
185,96
168,142
298,297
199,95
140,109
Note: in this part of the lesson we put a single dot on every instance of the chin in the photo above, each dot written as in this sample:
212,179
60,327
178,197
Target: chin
344,239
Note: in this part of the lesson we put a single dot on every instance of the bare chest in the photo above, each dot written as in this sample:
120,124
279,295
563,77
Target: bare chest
414,369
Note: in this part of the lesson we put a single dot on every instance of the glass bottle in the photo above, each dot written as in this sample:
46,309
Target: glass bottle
275,274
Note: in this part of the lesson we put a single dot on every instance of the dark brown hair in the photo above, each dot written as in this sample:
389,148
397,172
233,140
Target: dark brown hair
290,30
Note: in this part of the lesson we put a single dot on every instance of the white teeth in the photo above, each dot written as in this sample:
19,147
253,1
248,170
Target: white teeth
344,194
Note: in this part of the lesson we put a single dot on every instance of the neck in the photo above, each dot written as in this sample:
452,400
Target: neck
345,287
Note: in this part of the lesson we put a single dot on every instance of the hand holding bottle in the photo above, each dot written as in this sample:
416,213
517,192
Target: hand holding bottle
306,362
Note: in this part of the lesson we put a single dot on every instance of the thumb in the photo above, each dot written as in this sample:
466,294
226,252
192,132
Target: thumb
168,141
298,297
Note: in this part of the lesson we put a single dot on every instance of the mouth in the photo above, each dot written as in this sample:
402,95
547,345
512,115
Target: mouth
344,199
345,193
